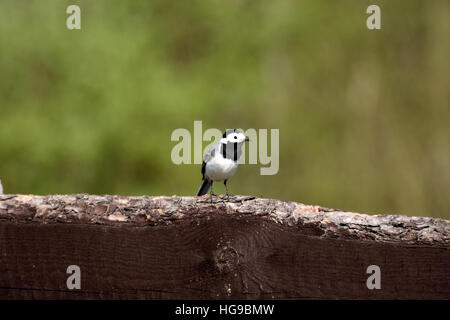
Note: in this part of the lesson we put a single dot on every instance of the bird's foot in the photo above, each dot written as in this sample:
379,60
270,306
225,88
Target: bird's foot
211,195
226,197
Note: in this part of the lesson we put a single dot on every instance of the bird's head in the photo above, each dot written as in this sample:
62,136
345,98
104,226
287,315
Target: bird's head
233,136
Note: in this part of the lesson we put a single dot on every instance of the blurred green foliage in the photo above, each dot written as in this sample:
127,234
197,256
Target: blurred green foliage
363,115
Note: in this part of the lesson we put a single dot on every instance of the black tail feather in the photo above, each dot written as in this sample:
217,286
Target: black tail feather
204,188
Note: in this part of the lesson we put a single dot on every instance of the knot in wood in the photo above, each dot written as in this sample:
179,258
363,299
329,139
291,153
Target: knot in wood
226,259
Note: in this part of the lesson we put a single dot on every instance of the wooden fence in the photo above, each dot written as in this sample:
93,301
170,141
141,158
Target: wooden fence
115,247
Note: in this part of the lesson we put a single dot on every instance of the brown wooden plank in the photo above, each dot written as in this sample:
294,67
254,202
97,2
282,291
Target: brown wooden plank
187,248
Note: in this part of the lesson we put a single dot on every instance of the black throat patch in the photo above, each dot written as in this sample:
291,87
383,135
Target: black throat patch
224,150
225,154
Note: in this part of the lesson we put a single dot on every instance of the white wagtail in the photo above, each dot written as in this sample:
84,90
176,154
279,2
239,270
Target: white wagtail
220,162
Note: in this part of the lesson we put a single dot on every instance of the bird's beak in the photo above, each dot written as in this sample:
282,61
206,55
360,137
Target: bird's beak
247,139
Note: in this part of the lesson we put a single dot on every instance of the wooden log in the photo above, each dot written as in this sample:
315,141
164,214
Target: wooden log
241,248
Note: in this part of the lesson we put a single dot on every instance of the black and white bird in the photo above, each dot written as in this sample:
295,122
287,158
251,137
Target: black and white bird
1,187
221,161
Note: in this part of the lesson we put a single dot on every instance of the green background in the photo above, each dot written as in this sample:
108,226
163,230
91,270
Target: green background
363,115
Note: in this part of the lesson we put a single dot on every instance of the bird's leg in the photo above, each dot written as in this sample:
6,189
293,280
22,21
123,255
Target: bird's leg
226,188
211,192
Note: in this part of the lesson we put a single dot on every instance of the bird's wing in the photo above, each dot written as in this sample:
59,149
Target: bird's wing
211,152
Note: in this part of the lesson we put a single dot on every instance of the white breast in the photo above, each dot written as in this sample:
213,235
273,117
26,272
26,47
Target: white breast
219,168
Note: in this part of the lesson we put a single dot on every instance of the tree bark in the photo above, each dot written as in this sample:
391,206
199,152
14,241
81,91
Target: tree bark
240,248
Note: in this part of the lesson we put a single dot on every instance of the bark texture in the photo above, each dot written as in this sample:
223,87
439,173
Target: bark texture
240,248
